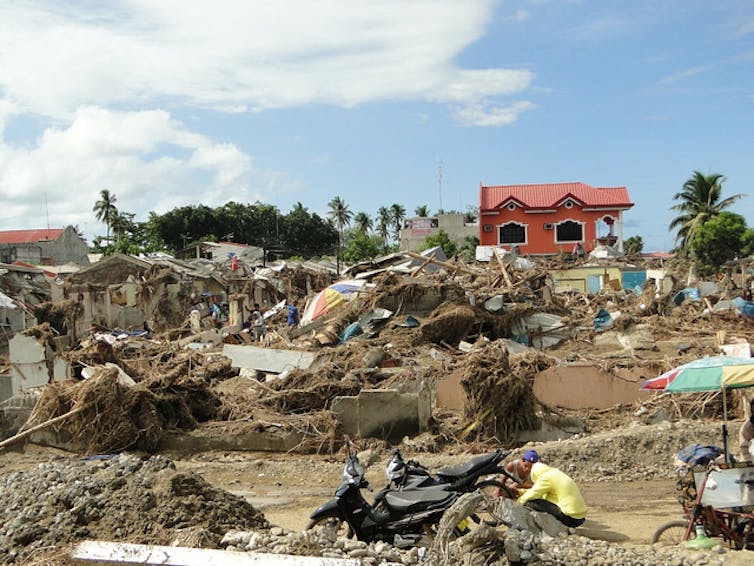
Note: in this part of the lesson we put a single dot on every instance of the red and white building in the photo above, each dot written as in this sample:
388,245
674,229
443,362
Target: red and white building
551,218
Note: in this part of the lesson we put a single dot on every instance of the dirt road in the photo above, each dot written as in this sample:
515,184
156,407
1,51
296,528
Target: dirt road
289,487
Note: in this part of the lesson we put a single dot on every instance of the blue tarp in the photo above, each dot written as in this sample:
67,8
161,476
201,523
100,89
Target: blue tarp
353,329
689,293
746,307
603,320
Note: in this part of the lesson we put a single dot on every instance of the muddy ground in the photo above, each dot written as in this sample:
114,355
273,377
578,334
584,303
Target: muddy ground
288,487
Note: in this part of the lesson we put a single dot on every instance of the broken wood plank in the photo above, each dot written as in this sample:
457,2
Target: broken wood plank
444,264
105,553
502,268
20,436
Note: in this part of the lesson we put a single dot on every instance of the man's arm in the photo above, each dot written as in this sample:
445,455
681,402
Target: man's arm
539,490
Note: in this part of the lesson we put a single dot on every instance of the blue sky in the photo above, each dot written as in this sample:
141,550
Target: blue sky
175,102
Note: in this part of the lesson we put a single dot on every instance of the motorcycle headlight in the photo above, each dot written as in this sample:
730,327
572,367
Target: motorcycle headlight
353,471
394,470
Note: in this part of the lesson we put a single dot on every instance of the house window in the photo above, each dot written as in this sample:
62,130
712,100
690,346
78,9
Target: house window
511,206
569,231
512,233
568,204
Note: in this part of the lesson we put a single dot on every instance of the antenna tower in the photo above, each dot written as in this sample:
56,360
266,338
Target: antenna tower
439,181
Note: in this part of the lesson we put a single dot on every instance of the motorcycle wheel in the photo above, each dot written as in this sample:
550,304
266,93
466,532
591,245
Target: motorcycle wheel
671,534
492,490
338,526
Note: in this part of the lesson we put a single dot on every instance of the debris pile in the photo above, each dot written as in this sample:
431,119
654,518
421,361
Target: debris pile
124,498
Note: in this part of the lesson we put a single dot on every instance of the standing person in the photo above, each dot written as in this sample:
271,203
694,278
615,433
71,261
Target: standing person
293,315
578,250
257,323
553,492
745,434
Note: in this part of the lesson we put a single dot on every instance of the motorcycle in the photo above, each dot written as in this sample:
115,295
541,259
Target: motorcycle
477,473
404,518
412,502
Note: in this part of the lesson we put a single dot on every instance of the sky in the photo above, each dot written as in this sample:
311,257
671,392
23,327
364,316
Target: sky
169,103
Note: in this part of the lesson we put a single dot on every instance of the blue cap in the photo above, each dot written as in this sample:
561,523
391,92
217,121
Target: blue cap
531,456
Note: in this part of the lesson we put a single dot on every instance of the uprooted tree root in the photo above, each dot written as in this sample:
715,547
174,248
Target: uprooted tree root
115,417
500,395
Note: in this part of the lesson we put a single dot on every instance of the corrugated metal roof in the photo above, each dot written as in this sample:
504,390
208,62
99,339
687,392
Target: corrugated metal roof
29,236
551,194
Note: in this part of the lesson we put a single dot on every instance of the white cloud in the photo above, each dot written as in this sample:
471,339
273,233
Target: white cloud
234,56
91,76
481,115
684,74
118,151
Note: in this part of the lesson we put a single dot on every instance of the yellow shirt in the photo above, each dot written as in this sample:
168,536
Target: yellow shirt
556,487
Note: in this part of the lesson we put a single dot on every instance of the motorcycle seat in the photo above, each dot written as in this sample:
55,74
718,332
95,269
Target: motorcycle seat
411,501
455,472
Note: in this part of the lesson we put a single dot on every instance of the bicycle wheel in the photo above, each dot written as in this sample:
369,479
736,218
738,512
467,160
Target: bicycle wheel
672,533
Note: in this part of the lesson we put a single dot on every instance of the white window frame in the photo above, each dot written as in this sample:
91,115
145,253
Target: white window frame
526,234
555,234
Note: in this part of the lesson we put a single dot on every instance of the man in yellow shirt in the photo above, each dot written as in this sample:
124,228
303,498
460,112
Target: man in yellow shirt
553,492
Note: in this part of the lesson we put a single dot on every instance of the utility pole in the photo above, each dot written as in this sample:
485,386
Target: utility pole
439,181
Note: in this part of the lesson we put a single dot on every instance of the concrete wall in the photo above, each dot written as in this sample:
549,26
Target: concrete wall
587,387
68,248
571,387
28,363
383,413
416,230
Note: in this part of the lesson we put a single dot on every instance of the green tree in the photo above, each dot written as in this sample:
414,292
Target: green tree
718,240
397,214
341,216
383,225
467,248
422,211
363,223
633,245
360,246
441,239
104,209
699,202
307,235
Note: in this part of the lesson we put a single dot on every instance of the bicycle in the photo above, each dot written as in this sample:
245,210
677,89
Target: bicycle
733,525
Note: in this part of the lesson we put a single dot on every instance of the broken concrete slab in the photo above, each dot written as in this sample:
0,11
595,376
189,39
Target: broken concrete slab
383,413
269,360
106,552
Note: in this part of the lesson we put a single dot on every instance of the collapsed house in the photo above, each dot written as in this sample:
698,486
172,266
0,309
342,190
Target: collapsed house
505,347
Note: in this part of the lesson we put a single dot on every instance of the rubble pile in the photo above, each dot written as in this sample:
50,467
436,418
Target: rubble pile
122,498
111,415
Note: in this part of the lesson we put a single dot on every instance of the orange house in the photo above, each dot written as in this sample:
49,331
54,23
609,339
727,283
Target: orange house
550,218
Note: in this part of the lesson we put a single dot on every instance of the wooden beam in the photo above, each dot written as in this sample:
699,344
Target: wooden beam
444,264
503,269
20,436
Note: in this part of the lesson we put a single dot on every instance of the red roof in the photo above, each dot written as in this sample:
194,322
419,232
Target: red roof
552,194
29,236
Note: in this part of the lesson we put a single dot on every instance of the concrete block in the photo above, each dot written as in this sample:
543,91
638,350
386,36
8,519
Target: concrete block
105,552
383,413
269,360
346,410
28,364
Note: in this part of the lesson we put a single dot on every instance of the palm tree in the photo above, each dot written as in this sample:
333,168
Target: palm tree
341,216
397,214
105,210
700,202
422,211
363,223
383,224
